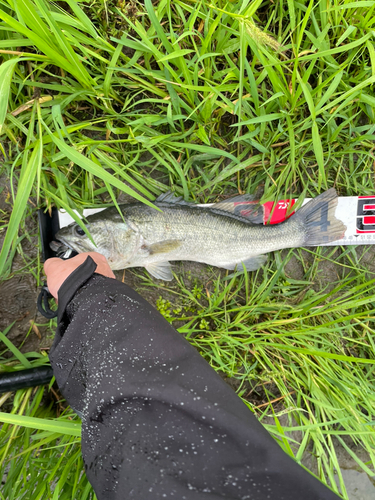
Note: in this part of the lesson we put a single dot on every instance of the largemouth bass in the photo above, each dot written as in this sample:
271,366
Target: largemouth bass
145,237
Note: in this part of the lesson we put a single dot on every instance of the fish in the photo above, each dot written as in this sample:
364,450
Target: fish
217,235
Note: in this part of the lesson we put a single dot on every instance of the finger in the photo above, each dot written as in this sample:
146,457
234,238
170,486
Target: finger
50,263
97,255
105,270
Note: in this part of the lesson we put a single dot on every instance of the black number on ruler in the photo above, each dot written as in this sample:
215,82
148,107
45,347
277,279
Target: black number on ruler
362,213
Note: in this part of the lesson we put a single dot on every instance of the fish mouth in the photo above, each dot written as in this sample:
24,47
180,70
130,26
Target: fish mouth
62,248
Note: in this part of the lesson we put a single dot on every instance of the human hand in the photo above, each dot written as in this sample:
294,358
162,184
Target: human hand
57,270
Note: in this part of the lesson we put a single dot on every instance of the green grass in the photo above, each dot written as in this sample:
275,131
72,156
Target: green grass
209,99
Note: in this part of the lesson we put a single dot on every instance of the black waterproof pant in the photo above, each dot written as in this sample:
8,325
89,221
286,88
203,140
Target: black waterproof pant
157,421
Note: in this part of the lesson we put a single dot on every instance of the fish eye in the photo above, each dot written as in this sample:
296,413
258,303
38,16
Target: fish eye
79,231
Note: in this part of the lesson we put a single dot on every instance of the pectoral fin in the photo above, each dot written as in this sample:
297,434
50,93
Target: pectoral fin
164,246
160,270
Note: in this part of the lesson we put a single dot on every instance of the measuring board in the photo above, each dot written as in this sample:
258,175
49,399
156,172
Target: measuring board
356,212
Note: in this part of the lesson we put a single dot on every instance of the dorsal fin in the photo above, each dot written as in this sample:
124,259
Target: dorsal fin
170,197
245,206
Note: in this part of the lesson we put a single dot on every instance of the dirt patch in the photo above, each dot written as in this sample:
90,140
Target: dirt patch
19,290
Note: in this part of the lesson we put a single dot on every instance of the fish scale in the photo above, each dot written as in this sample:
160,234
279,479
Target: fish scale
222,239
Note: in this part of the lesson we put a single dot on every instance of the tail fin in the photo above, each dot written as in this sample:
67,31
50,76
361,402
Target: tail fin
318,217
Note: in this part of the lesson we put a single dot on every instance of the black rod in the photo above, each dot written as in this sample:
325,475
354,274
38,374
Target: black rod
31,377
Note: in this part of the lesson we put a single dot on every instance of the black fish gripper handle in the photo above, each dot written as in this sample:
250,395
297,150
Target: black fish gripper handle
42,303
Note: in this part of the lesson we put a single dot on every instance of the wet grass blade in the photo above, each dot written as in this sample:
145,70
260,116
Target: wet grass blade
13,349
6,73
55,426
94,169
28,175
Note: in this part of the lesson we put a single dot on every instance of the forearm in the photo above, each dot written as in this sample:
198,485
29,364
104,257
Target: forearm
157,421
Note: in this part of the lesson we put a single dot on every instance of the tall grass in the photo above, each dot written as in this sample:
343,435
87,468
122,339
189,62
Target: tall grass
209,99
